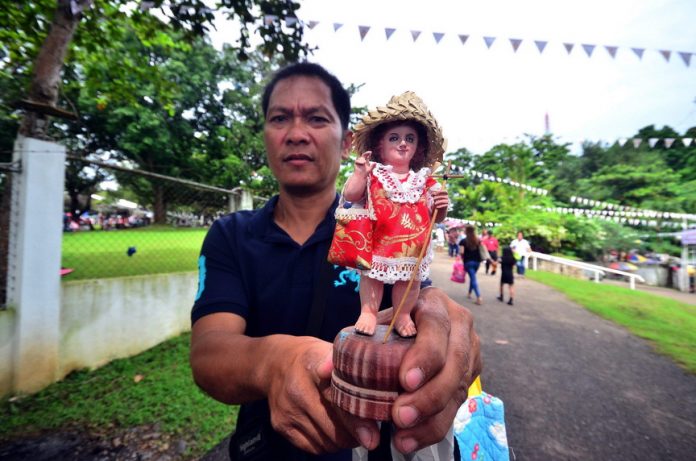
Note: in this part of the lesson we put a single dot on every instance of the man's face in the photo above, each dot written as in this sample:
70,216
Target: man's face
303,135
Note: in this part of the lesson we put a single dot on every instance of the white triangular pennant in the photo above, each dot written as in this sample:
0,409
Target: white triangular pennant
639,52
489,41
313,24
388,31
515,42
337,25
686,57
653,142
588,49
290,21
622,141
415,34
463,38
669,142
636,142
269,19
540,44
438,36
687,141
666,54
569,47
611,50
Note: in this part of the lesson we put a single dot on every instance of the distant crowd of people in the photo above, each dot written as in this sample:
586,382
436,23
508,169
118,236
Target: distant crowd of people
86,221
474,251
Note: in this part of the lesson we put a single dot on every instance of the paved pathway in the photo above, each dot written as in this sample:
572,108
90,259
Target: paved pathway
575,386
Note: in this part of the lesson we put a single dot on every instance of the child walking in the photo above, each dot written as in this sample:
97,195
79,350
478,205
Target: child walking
507,277
392,177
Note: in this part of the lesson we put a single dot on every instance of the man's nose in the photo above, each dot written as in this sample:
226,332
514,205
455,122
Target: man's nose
297,131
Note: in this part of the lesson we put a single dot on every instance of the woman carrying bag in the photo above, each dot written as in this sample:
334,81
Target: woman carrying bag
473,253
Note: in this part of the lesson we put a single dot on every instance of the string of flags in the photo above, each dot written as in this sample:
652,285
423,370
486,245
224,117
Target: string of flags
652,142
489,41
456,222
494,178
608,211
612,209
617,217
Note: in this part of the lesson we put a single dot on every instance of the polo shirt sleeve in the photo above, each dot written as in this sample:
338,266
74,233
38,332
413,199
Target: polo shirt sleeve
220,282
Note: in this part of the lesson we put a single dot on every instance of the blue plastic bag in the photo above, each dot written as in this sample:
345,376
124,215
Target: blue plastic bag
479,429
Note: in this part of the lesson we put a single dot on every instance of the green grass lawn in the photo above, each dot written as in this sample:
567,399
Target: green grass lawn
668,324
112,396
158,249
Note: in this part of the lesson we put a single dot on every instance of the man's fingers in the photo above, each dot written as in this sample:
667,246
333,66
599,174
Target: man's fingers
430,431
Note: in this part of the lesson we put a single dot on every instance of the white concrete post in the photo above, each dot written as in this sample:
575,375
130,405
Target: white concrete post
247,200
34,262
242,199
686,239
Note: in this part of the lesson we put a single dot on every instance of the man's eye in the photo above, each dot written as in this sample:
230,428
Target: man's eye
277,118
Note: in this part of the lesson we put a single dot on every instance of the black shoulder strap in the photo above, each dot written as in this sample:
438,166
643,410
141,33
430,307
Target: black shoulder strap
321,289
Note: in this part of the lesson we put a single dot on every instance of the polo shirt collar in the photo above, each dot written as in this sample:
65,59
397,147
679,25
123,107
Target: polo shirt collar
262,224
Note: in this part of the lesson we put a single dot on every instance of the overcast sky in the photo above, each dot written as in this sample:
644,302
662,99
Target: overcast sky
485,95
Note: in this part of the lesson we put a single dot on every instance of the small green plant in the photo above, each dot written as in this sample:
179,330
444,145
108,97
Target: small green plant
668,324
153,387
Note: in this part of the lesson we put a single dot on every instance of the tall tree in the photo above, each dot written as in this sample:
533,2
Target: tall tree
279,37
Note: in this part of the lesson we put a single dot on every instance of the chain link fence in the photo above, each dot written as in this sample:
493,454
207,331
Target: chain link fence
7,171
120,221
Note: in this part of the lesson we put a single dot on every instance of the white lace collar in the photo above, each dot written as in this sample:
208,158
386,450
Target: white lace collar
408,191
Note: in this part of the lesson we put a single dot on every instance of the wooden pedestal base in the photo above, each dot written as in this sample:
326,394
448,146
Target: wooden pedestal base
365,380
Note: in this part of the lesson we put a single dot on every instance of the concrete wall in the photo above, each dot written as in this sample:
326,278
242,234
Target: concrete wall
105,319
656,276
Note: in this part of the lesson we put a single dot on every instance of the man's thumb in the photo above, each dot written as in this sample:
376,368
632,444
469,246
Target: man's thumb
325,366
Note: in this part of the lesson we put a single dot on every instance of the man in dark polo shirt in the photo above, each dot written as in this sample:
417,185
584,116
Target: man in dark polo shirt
258,275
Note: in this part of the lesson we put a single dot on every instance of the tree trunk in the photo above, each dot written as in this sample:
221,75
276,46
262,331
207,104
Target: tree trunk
45,85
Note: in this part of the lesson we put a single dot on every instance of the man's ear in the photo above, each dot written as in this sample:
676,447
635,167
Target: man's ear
346,142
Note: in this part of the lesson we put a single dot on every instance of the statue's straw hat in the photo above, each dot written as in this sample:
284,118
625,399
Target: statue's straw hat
406,106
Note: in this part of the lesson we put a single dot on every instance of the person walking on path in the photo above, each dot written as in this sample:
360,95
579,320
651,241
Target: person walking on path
452,242
507,262
492,245
473,252
521,249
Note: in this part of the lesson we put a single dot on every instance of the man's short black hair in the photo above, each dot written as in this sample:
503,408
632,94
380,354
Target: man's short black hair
339,95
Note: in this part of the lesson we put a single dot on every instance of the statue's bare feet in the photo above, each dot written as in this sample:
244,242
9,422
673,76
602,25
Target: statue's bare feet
405,326
366,324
